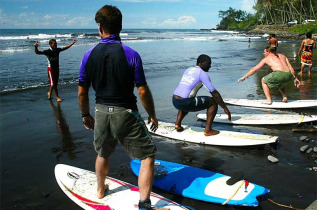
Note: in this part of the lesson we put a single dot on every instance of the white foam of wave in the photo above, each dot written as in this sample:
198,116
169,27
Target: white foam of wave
239,37
229,32
6,89
38,36
124,34
265,35
13,50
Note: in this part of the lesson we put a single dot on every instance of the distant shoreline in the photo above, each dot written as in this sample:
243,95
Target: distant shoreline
281,31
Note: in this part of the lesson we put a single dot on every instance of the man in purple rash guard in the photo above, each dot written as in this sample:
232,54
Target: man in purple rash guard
113,70
185,99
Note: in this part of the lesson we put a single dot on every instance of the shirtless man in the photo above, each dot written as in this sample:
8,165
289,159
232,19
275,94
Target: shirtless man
282,74
273,41
185,99
52,55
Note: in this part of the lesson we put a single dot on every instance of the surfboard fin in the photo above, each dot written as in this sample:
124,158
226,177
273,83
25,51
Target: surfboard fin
237,176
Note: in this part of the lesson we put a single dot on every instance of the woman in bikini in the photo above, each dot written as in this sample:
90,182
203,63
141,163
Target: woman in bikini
306,52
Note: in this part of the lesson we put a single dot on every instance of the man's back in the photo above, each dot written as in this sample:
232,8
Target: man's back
277,63
111,76
273,42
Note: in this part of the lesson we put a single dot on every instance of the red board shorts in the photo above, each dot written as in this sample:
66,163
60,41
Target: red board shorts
53,76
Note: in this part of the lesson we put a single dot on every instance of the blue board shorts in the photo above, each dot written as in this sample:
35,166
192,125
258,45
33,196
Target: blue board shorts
192,104
117,124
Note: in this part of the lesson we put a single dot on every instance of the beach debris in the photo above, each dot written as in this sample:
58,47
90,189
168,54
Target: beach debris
309,150
304,148
302,138
272,159
315,149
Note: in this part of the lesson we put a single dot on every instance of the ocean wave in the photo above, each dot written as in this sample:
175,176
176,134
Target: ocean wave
37,36
13,50
226,32
7,89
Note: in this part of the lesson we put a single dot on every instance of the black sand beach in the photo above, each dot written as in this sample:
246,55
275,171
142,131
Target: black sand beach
37,134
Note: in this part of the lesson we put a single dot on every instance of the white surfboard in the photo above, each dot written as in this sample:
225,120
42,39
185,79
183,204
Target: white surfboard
224,138
275,104
80,186
261,119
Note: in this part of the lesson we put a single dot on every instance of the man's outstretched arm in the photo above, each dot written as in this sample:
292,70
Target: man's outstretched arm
36,45
71,44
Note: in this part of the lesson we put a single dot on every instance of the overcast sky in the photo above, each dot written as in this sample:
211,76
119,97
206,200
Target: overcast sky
143,14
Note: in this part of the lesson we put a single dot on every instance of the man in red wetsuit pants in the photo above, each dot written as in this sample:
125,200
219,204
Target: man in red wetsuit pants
52,55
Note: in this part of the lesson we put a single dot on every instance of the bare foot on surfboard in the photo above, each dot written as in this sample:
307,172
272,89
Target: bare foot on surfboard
102,192
211,132
267,102
284,99
179,128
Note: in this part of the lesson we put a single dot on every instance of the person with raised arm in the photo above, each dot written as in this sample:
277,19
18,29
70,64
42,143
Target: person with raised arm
52,55
282,73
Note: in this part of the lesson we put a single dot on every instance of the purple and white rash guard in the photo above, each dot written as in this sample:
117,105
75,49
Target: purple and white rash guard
193,79
113,69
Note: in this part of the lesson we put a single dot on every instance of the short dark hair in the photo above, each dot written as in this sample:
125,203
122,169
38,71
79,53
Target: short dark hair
51,41
203,58
309,35
273,35
110,19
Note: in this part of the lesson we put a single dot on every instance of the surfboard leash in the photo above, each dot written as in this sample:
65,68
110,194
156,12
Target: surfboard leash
303,116
242,183
282,205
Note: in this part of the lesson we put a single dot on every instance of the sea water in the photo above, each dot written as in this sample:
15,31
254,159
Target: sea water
162,51
165,55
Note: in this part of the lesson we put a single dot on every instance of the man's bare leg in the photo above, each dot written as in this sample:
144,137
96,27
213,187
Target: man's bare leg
211,113
56,94
180,117
267,93
283,95
102,169
146,176
49,93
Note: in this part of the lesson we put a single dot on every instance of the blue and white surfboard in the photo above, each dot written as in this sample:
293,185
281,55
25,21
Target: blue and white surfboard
202,184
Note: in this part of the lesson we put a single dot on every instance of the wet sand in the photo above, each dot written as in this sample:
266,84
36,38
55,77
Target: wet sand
37,134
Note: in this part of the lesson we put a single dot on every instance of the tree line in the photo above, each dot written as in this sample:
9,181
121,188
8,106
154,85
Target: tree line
268,12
